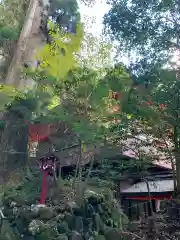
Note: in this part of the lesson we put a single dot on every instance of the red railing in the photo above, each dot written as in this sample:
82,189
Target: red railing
160,197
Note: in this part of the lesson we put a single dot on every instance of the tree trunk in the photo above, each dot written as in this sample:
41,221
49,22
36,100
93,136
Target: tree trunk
13,157
29,41
177,160
177,157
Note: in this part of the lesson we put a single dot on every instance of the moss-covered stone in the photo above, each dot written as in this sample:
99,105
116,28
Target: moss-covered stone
100,237
46,213
86,220
99,223
78,224
69,218
62,237
35,227
62,227
60,217
7,232
71,205
76,236
112,233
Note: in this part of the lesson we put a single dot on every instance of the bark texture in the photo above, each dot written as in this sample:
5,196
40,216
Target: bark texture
30,40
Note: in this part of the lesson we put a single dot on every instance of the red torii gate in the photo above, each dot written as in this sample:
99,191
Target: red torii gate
39,133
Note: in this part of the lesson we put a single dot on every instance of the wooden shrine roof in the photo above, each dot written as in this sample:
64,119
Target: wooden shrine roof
158,186
133,147
140,146
66,146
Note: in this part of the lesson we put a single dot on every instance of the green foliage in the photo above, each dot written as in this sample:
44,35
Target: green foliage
1,124
145,28
95,52
98,214
27,191
50,57
8,34
7,95
81,98
57,58
62,12
12,15
84,99
110,170
119,79
24,105
149,29
146,104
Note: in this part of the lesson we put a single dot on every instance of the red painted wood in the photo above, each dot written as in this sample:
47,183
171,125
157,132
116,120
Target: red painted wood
38,132
150,198
149,103
44,187
115,95
162,106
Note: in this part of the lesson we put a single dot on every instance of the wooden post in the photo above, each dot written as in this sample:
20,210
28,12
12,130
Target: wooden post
44,187
157,203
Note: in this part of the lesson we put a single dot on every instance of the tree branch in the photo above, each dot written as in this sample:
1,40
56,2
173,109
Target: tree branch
131,234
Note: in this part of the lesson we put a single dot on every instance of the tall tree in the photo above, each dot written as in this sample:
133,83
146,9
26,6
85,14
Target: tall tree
12,16
29,105
146,29
149,32
95,52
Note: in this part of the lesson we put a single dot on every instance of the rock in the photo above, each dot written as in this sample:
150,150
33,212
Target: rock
8,213
13,204
113,233
35,208
59,209
86,235
33,215
94,200
100,210
18,200
63,227
15,210
76,236
90,210
55,202
46,213
70,220
28,238
6,232
35,227
99,223
62,237
89,193
79,224
100,237
27,216
60,216
72,205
